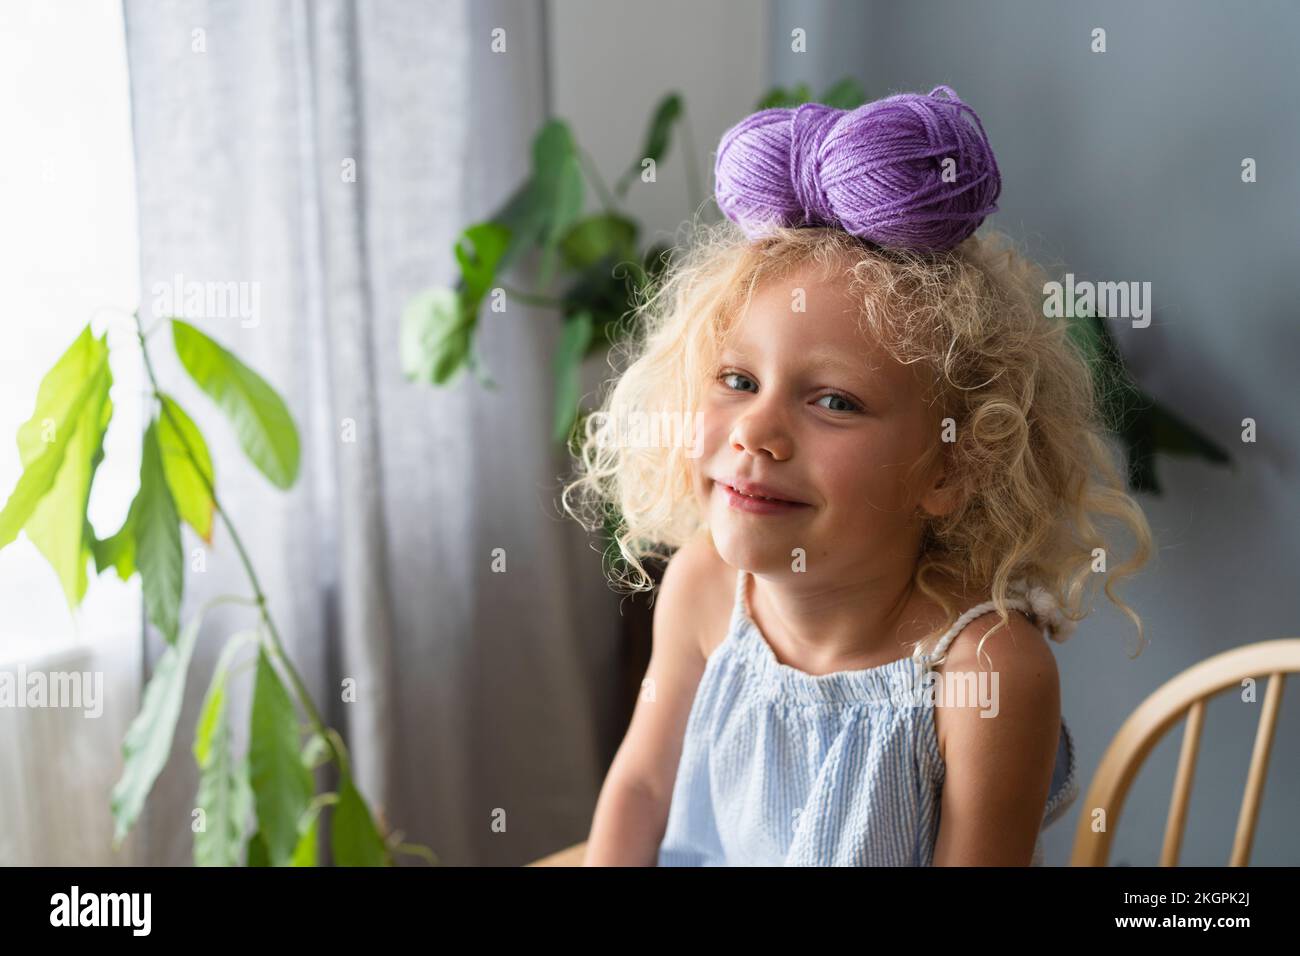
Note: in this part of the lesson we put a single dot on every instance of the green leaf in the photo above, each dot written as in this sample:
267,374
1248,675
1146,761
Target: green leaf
557,189
605,289
215,699
438,325
1177,437
1139,444
574,340
148,741
847,94
190,484
568,206
1117,395
43,439
659,135
353,835
779,97
224,796
523,219
60,448
437,333
282,786
657,139
158,540
479,250
612,560
596,237
656,261
53,526
258,855
1142,424
435,337
304,854
118,550
259,416
307,850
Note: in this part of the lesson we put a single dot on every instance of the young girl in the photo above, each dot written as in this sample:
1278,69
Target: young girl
886,499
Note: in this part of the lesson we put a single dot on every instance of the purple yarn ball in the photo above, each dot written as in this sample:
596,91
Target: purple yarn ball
876,172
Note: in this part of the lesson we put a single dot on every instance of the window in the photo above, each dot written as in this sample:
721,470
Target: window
68,252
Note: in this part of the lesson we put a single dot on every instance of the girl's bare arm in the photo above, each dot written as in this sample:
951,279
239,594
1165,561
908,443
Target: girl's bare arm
998,769
632,810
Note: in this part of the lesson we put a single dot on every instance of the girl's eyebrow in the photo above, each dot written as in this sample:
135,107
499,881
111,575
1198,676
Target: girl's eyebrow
820,362
833,362
869,377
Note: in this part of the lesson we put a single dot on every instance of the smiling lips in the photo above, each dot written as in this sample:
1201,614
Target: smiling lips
757,499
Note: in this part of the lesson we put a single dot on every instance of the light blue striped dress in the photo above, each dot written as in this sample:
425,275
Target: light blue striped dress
784,768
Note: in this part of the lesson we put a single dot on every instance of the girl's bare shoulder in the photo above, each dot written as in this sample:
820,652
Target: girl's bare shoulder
706,585
1028,683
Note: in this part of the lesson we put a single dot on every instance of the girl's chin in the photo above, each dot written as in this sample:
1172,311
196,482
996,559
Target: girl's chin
742,545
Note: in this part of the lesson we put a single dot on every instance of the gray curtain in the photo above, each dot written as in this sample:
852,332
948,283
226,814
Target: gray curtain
479,695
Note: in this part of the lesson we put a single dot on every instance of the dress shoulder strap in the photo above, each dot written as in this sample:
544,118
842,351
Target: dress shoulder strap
979,610
739,606
1037,604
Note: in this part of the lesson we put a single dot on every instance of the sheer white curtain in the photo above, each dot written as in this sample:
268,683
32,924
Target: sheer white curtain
67,250
479,694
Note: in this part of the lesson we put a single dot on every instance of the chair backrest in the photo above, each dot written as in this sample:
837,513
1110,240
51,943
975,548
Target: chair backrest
1186,694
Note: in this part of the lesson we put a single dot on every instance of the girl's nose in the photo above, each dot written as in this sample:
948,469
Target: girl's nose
761,432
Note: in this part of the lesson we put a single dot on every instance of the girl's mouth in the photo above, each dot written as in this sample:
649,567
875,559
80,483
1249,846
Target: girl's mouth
754,504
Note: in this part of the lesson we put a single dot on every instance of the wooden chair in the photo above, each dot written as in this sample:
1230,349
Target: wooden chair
1186,695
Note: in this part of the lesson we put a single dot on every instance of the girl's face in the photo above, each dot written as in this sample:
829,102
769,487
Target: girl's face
805,407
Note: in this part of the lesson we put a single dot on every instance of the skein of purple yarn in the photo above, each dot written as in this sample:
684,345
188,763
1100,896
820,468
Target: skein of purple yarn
876,171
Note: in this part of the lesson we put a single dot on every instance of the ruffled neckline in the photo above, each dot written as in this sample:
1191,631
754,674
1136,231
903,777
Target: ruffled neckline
894,682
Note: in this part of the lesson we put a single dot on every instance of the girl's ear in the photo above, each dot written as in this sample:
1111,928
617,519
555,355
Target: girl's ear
942,496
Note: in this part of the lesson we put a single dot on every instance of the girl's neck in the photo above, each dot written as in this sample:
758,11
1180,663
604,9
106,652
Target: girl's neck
821,626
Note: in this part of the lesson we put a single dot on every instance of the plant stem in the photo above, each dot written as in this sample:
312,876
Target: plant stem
533,299
416,849
322,800
606,197
259,595
694,184
233,599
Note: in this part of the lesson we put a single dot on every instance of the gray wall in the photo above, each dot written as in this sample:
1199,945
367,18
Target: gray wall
1125,165
611,63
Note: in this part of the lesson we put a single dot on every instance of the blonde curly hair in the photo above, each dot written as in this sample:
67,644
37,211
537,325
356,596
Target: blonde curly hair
1032,455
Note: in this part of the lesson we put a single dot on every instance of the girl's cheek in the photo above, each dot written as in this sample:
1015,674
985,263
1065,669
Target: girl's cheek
712,432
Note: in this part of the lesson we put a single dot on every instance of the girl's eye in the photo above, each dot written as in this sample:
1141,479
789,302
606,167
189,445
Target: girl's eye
847,404
728,376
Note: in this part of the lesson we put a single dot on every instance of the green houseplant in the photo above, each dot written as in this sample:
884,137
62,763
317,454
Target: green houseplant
61,447
604,268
